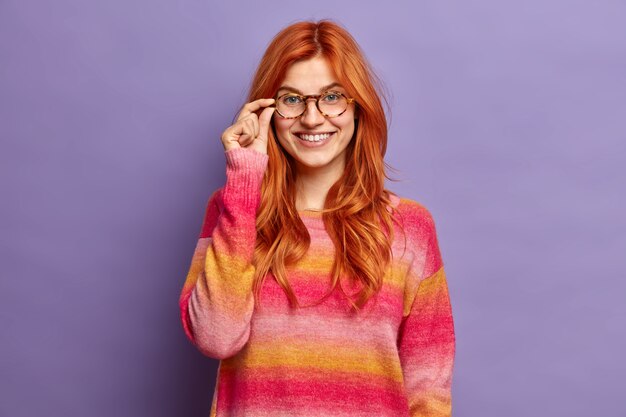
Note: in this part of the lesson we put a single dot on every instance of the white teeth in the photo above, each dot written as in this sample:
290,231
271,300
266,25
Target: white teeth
314,138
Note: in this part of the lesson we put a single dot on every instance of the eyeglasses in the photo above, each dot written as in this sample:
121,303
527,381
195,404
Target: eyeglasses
330,104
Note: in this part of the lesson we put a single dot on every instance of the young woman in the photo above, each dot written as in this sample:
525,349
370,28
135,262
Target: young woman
320,292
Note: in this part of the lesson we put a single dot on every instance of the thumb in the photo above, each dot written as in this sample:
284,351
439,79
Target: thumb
264,122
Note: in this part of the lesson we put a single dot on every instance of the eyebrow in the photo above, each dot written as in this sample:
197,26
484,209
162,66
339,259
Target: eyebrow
286,87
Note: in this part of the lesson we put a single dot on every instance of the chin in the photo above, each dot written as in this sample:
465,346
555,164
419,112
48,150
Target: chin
312,164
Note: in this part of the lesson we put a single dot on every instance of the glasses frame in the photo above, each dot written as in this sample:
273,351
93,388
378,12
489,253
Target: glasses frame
317,103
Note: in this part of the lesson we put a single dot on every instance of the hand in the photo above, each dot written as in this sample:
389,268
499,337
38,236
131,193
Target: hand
250,131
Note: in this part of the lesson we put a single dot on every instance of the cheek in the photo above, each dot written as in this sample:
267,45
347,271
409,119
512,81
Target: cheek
282,127
347,124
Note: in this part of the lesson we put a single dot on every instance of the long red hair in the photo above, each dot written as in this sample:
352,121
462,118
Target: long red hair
357,213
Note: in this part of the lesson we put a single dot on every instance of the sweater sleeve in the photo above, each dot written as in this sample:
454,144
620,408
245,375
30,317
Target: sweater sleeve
426,339
216,301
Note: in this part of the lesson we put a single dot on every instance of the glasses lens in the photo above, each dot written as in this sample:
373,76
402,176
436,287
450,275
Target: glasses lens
333,104
290,105
330,103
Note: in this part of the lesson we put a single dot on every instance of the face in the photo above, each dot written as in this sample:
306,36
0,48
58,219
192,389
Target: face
328,155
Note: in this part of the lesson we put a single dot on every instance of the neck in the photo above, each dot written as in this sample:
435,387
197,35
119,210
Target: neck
312,186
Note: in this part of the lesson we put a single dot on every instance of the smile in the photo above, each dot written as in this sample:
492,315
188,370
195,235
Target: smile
314,138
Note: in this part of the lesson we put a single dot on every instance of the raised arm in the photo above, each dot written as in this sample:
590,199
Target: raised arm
216,301
426,340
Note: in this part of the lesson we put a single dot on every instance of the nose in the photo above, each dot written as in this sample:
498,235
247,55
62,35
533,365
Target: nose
311,115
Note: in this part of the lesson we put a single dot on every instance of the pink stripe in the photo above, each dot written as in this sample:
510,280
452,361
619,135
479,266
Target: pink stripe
264,389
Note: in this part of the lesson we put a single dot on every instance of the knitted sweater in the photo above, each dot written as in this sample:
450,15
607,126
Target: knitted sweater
393,358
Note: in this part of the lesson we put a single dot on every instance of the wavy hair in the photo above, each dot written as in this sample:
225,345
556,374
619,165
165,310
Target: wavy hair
357,213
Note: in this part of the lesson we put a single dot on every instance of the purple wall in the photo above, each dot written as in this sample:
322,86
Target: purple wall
508,123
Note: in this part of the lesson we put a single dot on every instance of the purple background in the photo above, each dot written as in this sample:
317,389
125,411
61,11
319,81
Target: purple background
508,123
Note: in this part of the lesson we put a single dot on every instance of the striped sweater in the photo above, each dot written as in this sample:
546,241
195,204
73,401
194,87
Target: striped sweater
394,358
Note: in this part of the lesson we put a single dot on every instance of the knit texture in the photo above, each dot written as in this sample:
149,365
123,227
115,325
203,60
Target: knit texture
393,358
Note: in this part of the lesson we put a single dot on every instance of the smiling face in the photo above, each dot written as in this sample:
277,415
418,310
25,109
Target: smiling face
298,136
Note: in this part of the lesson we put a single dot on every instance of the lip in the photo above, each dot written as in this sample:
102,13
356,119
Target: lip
308,144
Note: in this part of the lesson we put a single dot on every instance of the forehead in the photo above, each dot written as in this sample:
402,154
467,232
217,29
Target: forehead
310,75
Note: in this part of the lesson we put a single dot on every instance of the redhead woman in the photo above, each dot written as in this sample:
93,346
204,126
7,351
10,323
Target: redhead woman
320,292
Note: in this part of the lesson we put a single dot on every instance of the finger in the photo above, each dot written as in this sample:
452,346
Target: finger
232,133
264,122
251,122
251,128
254,106
247,135
254,122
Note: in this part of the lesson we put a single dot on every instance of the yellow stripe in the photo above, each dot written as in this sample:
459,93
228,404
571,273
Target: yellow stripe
332,358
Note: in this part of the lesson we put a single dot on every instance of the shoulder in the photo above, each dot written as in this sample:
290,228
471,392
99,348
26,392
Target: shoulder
418,224
414,216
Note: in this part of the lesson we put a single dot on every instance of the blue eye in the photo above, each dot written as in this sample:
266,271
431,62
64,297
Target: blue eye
331,97
291,100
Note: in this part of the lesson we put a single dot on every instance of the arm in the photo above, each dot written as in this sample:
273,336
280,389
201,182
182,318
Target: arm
426,339
216,301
